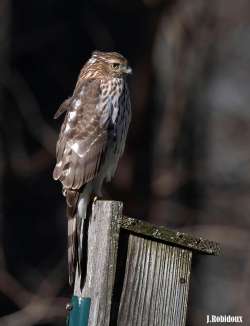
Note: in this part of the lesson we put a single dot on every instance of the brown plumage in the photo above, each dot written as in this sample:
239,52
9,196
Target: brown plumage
91,140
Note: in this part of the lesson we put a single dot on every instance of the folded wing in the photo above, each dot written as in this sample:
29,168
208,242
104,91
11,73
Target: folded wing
83,137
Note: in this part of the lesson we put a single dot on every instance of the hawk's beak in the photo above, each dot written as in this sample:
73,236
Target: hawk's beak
128,70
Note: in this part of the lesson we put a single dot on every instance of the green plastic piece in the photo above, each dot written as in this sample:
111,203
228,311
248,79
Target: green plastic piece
79,313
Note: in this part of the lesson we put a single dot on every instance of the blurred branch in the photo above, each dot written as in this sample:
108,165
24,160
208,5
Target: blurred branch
29,109
21,161
39,310
5,8
37,306
180,57
237,238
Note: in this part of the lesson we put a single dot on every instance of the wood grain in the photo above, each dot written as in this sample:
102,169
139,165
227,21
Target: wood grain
156,282
103,234
136,274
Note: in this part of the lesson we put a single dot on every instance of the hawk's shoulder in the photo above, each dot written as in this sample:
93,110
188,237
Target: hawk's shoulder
87,88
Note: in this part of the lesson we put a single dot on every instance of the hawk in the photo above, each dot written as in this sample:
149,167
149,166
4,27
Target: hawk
91,140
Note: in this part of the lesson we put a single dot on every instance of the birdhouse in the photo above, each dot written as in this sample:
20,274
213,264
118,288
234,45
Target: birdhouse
135,273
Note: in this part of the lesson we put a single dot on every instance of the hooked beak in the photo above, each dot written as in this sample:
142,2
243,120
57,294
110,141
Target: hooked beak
127,69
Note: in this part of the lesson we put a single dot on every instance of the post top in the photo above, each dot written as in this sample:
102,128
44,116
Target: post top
170,236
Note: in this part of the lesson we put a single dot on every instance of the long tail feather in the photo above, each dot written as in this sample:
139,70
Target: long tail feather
72,199
77,205
82,208
72,247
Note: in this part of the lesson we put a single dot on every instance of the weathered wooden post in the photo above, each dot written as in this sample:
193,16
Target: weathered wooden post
136,274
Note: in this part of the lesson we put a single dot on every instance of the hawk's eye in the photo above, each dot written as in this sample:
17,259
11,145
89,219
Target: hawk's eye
115,65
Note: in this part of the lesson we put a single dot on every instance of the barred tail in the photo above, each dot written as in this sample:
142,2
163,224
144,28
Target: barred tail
72,247
82,208
77,205
72,199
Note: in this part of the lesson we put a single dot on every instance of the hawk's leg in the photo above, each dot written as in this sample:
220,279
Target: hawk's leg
98,187
95,199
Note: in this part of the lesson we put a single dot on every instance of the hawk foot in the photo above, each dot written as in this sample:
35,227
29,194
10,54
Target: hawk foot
95,198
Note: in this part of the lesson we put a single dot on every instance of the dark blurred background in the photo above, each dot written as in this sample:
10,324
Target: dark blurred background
187,157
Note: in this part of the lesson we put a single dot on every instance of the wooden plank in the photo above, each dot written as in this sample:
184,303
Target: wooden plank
170,236
156,282
136,273
103,235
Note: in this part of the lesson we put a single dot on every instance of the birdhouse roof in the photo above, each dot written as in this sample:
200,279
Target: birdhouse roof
172,237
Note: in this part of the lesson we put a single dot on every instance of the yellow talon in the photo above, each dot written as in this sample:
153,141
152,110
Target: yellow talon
95,199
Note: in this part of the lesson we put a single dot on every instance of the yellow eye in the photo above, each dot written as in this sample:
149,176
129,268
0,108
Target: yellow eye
115,65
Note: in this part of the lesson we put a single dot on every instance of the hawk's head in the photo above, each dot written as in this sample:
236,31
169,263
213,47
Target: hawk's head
106,64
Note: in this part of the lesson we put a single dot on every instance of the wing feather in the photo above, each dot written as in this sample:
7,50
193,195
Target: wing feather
83,137
62,108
